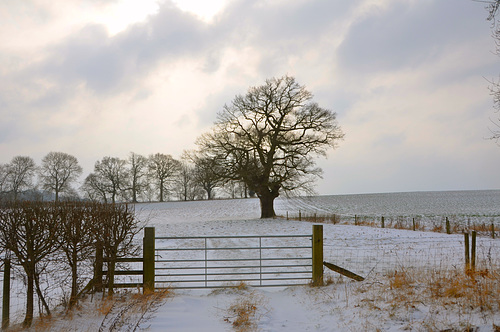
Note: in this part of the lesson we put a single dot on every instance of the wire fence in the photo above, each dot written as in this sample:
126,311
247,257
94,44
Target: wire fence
368,257
483,224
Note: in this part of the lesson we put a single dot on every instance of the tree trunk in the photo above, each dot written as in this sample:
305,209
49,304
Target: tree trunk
28,319
74,279
111,275
134,195
267,206
161,191
40,295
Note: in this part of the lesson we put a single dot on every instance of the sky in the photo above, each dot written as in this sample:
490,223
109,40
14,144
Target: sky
408,80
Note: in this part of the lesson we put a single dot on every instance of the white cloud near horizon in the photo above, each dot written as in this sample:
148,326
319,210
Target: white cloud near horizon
408,81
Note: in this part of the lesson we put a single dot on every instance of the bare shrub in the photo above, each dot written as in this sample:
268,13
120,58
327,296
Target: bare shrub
30,231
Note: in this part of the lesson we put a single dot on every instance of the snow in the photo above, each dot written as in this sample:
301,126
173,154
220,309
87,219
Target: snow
344,305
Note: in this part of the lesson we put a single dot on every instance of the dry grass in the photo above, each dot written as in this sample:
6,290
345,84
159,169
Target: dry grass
246,311
400,280
443,291
106,304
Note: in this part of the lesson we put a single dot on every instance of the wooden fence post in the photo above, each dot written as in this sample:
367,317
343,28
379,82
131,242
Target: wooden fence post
300,216
492,230
414,224
317,255
148,264
6,295
98,287
467,252
448,228
383,222
473,252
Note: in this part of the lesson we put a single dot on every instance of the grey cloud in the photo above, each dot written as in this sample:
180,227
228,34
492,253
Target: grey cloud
407,34
109,64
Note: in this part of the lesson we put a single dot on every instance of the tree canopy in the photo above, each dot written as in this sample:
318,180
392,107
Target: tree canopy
268,139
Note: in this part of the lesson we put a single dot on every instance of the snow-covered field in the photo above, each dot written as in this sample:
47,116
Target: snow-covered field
382,256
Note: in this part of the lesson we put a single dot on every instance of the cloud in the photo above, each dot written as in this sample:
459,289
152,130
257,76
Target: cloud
406,79
408,34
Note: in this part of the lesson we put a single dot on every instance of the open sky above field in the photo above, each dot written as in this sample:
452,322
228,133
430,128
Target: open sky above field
408,80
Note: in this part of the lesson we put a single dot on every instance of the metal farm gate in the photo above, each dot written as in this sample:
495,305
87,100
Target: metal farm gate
222,261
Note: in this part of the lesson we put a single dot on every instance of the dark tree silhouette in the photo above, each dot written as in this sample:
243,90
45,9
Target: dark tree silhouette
30,231
19,175
58,171
137,174
268,138
109,180
207,172
162,169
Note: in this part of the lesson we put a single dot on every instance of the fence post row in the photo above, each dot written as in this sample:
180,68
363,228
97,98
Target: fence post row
149,259
317,255
6,295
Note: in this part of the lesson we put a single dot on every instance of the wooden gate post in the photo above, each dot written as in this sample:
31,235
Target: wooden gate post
99,262
467,252
148,264
6,295
317,255
473,252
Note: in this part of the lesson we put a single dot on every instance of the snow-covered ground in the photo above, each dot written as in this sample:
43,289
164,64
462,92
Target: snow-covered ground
382,256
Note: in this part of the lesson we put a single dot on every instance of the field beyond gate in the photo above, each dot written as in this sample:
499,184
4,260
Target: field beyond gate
222,261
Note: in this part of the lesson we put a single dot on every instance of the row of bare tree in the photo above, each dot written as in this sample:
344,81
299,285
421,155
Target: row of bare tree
157,177
54,240
138,178
266,139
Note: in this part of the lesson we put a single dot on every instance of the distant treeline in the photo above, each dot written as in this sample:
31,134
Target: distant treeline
157,177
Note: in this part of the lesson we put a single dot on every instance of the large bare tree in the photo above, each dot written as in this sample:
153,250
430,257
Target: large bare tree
185,183
58,171
108,181
162,169
207,172
268,138
20,173
138,166
3,178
